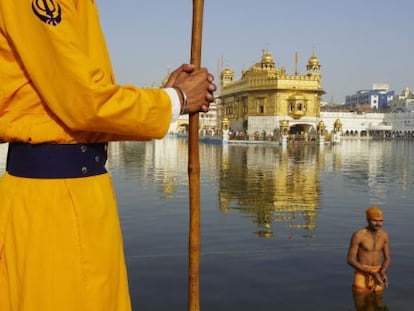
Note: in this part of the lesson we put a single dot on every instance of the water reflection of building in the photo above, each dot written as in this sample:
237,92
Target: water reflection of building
160,161
275,187
298,176
272,185
369,162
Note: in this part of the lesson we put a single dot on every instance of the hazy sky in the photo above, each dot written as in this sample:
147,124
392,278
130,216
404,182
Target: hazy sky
358,42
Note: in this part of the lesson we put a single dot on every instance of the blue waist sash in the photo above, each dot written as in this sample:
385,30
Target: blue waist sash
56,160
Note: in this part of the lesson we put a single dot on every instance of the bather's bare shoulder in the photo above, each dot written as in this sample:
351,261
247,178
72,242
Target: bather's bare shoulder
359,234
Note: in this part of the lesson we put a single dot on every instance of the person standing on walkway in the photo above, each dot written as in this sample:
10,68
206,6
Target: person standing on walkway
60,239
369,255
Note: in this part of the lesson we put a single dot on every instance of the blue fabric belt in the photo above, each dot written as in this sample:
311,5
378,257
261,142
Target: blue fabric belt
56,160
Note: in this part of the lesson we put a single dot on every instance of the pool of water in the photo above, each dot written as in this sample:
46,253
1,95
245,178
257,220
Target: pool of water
275,222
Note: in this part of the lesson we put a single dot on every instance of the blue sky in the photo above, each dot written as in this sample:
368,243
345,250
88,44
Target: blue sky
358,42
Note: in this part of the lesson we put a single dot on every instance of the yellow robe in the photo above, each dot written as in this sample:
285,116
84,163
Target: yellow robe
61,246
56,81
60,241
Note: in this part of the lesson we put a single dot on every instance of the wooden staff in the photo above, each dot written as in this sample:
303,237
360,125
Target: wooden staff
194,171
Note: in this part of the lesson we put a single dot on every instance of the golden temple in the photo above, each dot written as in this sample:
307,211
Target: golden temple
267,99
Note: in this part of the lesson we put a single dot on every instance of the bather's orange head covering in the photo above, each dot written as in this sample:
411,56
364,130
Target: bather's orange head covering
374,213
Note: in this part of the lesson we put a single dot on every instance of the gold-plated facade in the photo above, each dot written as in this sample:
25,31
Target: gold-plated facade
264,90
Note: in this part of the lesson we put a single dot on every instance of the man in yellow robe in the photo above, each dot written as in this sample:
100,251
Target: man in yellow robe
369,255
60,240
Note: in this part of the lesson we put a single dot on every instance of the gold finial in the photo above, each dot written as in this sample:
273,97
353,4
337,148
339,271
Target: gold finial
296,63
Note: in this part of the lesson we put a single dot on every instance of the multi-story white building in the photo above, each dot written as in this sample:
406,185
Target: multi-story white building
403,102
209,122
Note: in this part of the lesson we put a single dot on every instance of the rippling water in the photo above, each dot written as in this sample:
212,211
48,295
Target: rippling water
276,222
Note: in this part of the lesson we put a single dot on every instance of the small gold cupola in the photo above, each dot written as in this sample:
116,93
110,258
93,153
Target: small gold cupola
227,76
267,61
313,66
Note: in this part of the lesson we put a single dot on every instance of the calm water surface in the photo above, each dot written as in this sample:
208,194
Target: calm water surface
276,222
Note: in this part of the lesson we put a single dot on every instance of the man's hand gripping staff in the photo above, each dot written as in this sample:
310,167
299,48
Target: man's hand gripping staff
194,87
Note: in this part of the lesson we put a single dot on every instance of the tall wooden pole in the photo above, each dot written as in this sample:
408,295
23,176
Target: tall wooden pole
194,171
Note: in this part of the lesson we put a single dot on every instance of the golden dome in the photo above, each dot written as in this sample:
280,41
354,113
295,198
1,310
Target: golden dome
313,61
227,71
267,58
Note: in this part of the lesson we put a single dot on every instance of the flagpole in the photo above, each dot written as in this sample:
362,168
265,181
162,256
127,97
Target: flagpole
194,171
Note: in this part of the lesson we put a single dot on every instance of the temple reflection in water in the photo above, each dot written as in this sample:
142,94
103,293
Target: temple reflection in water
272,185
275,187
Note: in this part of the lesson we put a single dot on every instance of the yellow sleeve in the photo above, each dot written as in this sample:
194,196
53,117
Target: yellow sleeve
63,53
